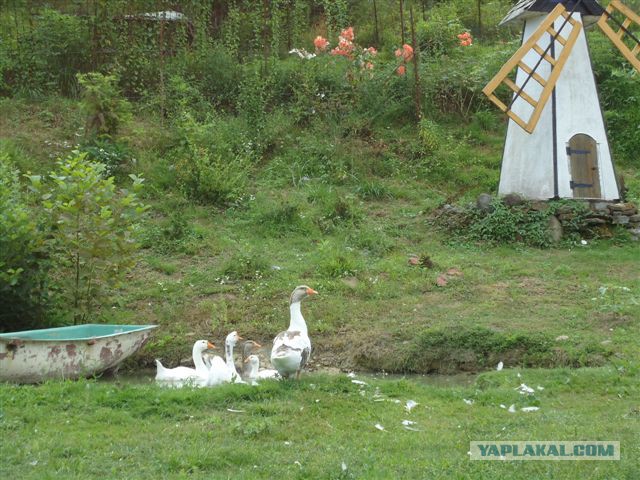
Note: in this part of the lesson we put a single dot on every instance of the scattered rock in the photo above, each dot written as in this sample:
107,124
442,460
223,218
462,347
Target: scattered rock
595,221
484,202
454,272
539,206
623,208
634,218
555,228
441,281
512,200
562,338
565,210
600,206
620,220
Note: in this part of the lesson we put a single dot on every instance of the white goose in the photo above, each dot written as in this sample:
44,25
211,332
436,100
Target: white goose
292,348
251,364
221,371
180,376
247,350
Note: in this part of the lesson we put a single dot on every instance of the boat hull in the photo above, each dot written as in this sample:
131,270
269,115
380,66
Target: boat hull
68,352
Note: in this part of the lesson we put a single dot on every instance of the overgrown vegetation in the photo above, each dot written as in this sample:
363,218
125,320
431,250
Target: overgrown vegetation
265,169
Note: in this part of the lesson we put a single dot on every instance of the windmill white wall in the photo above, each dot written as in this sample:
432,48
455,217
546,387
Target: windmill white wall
527,165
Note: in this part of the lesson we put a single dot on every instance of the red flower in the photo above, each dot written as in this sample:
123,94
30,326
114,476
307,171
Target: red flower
340,51
347,33
321,43
401,70
398,52
368,66
407,52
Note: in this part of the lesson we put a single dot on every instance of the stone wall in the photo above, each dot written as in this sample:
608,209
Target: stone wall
599,217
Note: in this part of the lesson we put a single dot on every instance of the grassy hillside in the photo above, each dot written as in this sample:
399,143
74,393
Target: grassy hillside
206,270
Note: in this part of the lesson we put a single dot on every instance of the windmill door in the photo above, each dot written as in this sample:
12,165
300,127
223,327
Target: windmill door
583,161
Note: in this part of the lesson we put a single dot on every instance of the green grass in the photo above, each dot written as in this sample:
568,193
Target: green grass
97,429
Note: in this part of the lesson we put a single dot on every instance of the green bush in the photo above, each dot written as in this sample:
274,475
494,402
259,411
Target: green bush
248,264
47,56
437,35
213,161
93,231
281,219
23,259
103,104
430,136
511,224
212,71
113,155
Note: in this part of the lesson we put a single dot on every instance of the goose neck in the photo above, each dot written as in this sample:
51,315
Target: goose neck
198,360
297,320
228,353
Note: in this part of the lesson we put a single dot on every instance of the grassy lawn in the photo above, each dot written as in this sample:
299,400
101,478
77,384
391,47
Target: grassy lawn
98,429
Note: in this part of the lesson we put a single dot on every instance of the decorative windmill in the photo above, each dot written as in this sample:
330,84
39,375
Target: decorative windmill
556,144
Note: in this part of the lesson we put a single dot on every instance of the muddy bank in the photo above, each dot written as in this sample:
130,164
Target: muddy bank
431,351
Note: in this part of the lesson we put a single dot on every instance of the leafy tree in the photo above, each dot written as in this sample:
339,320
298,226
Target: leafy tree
93,236
23,264
105,108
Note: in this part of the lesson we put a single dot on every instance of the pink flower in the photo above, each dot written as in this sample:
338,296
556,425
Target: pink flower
398,52
407,52
368,66
465,39
401,70
347,33
371,50
340,51
345,44
321,43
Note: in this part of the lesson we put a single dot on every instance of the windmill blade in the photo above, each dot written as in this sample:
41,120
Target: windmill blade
517,60
623,34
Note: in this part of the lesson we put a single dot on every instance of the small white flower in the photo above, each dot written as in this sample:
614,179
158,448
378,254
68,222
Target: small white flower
512,408
379,427
468,402
530,409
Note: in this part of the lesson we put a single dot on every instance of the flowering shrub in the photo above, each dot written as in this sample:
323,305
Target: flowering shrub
465,39
362,57
405,54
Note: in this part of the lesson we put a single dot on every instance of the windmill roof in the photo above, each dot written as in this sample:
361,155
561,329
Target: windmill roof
524,9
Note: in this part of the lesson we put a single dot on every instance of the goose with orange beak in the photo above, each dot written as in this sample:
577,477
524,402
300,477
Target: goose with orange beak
292,348
181,376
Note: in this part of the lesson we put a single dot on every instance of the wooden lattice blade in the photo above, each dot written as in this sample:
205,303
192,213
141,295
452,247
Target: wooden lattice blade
567,39
616,37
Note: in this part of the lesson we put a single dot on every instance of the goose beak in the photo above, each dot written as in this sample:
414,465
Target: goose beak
311,291
246,360
210,345
240,338
256,345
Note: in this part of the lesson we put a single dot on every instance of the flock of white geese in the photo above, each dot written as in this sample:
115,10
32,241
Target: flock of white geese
290,353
